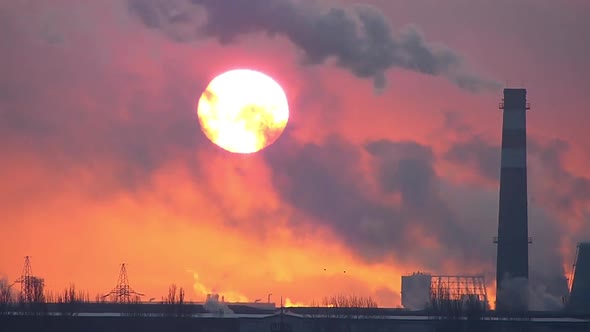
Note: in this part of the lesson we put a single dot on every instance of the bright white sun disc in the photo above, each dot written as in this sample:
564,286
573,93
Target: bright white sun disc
243,111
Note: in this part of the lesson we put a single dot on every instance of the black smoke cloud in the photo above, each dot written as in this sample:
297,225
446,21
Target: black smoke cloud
478,154
326,182
556,195
560,190
359,38
574,190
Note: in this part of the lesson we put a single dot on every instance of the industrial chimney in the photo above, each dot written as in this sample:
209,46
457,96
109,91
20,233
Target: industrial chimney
512,269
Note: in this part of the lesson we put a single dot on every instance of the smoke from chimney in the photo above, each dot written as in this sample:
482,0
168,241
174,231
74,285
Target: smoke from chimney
359,38
519,293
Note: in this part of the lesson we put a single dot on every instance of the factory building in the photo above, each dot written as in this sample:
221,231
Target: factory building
579,299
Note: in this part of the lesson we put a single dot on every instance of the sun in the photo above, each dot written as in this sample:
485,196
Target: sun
243,111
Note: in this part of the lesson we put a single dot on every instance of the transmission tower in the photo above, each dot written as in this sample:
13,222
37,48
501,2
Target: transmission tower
31,287
122,292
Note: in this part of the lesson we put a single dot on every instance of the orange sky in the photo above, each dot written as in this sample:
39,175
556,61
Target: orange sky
104,161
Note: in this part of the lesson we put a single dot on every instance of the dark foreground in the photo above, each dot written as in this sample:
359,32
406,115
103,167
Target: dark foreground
295,323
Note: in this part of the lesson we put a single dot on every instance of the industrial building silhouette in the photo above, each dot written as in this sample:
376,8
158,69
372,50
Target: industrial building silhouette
579,299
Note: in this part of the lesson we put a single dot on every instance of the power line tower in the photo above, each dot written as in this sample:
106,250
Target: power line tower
31,287
122,291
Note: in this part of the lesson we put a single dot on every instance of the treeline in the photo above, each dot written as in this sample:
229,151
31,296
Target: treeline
175,305
344,306
452,310
71,301
348,301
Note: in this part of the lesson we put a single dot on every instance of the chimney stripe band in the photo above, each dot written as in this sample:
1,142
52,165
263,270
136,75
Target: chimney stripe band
514,120
512,250
514,139
513,158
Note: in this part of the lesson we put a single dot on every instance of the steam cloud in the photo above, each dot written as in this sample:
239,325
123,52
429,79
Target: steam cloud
212,305
520,291
359,38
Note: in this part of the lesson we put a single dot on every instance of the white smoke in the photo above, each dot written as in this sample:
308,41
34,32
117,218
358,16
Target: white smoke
212,305
520,291
540,299
202,289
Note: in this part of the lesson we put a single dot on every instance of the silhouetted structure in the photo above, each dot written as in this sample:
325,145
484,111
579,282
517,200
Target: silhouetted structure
441,294
512,269
122,291
31,287
416,291
281,325
458,303
458,295
579,300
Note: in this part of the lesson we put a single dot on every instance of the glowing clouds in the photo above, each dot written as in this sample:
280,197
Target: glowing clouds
243,111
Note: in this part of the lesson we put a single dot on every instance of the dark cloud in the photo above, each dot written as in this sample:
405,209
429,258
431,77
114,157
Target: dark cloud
477,154
359,38
455,122
407,168
570,190
325,182
554,193
558,187
322,181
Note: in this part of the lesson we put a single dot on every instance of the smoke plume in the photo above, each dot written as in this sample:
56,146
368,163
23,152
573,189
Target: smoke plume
520,291
359,38
212,305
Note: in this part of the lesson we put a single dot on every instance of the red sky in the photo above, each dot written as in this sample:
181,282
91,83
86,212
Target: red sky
104,161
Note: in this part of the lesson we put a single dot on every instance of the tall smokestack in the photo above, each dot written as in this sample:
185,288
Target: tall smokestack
512,256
